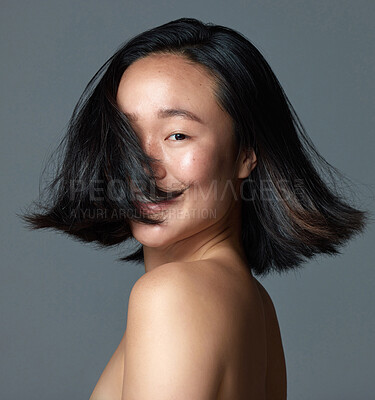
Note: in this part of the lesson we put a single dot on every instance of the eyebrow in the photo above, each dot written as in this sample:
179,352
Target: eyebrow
168,113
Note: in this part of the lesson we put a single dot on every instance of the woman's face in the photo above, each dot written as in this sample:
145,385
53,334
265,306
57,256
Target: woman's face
198,149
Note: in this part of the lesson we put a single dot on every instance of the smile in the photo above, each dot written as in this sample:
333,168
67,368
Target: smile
156,206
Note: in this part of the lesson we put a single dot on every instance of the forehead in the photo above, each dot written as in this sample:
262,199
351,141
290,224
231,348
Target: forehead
172,66
166,80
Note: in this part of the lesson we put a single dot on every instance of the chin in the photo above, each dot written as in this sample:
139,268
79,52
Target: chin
151,235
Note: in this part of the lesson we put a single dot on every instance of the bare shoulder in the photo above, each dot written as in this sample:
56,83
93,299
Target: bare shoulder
172,342
190,290
161,278
223,301
204,287
173,283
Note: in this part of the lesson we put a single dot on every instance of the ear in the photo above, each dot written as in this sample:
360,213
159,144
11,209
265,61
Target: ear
248,161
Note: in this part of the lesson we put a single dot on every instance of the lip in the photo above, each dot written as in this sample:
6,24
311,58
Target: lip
157,206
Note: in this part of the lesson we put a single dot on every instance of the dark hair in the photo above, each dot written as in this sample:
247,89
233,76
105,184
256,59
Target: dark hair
301,217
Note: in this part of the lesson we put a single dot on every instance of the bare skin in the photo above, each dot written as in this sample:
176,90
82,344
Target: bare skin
254,358
192,262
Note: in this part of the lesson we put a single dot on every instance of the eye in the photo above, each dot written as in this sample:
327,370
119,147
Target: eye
179,136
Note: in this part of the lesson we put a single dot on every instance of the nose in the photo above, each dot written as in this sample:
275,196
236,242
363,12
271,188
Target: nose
158,170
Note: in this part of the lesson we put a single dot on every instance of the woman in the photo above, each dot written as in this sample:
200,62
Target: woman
185,141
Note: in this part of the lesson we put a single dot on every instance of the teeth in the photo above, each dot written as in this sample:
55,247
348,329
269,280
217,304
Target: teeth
141,199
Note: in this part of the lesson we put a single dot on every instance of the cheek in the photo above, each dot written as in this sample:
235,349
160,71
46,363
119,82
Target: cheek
199,164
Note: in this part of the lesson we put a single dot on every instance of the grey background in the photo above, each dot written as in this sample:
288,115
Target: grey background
63,304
